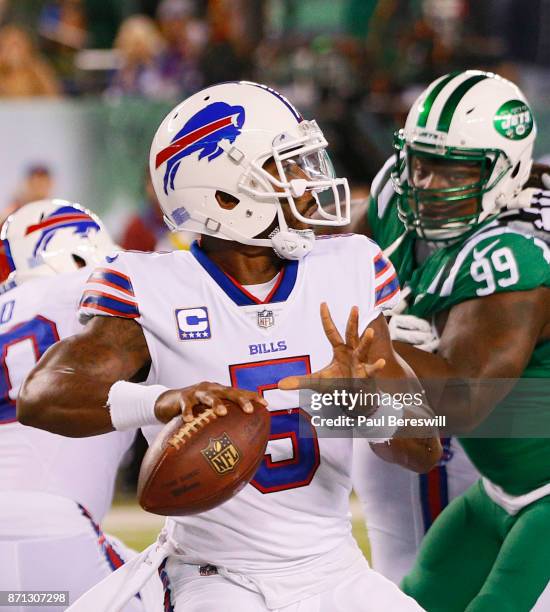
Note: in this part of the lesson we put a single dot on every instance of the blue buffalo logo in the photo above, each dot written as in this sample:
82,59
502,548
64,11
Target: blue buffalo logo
63,217
203,132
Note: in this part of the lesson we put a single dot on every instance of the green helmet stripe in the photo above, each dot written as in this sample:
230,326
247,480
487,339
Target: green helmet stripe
430,99
453,100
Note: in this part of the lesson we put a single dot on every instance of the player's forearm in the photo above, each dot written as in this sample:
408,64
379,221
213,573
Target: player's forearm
416,449
416,454
423,363
452,390
65,403
419,454
431,369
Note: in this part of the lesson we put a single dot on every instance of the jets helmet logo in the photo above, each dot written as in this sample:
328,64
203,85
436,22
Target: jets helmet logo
514,120
203,132
63,217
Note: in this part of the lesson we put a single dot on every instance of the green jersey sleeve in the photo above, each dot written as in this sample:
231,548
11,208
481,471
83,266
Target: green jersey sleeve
499,260
376,204
386,227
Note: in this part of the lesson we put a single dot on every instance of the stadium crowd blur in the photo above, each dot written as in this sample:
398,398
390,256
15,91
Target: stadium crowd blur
357,63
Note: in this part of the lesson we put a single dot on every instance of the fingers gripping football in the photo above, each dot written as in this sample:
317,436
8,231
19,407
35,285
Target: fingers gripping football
177,402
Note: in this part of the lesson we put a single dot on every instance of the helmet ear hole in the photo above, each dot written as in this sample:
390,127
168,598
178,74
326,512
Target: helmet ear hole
226,200
515,171
78,260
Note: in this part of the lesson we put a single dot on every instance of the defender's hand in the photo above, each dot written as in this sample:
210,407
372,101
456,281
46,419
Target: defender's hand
350,358
414,330
174,402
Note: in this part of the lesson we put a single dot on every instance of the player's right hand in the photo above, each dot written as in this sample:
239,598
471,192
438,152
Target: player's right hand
174,402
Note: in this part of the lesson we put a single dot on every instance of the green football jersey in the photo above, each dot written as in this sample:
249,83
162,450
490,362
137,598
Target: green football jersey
509,252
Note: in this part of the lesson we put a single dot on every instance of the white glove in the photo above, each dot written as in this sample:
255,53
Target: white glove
415,331
545,179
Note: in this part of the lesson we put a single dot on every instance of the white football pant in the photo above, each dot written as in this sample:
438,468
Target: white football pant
360,590
400,505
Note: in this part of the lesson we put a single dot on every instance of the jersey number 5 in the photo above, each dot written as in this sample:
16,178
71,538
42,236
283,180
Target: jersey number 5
24,343
298,469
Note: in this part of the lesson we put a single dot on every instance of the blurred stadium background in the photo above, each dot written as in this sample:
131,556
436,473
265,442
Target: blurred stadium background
84,84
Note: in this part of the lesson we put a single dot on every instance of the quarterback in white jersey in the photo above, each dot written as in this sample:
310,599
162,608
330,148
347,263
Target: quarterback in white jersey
201,325
242,309
54,490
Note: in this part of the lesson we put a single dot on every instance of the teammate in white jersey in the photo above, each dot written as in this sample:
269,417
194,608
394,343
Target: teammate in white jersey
54,490
237,163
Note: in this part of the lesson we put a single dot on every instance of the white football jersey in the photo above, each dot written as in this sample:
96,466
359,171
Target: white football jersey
201,325
34,316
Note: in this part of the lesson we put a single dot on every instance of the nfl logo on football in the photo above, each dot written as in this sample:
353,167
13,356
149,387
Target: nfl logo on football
266,318
221,454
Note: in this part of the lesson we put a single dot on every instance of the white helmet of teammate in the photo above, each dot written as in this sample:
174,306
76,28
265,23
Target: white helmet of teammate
50,237
469,116
218,140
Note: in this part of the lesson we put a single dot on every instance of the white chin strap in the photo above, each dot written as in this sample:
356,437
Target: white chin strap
287,243
292,244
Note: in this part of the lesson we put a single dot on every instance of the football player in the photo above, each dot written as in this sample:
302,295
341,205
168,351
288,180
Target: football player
238,164
471,244
55,490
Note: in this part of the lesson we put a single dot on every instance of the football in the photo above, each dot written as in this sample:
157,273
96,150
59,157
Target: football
196,466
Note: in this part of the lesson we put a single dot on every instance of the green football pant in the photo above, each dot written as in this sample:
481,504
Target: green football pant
478,558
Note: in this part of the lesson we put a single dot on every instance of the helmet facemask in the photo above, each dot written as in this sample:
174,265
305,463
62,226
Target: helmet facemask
465,197
302,165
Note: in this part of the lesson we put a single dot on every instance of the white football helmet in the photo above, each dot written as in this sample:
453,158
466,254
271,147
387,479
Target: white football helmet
472,117
48,237
218,140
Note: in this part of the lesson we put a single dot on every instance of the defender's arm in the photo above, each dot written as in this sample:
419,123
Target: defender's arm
417,454
486,338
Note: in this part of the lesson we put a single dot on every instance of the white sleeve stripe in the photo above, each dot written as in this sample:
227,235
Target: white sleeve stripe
389,272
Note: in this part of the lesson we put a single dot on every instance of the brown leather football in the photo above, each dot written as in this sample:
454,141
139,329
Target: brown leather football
194,467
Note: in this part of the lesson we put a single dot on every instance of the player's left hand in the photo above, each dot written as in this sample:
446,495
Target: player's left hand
349,357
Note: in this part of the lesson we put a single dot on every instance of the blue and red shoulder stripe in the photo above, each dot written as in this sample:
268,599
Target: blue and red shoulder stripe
111,292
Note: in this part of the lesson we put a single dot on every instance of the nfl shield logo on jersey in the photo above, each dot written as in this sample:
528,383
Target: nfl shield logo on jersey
221,454
193,323
266,318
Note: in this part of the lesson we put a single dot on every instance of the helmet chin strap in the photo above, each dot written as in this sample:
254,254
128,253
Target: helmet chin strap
292,244
289,243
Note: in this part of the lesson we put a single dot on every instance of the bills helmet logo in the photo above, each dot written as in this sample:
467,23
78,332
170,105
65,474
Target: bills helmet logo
63,217
203,132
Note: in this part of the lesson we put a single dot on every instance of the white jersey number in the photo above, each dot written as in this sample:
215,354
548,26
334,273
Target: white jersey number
21,347
502,261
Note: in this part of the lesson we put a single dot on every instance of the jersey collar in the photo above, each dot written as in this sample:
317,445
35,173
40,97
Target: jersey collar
236,292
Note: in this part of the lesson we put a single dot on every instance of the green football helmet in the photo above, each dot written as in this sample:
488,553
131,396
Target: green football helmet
474,129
